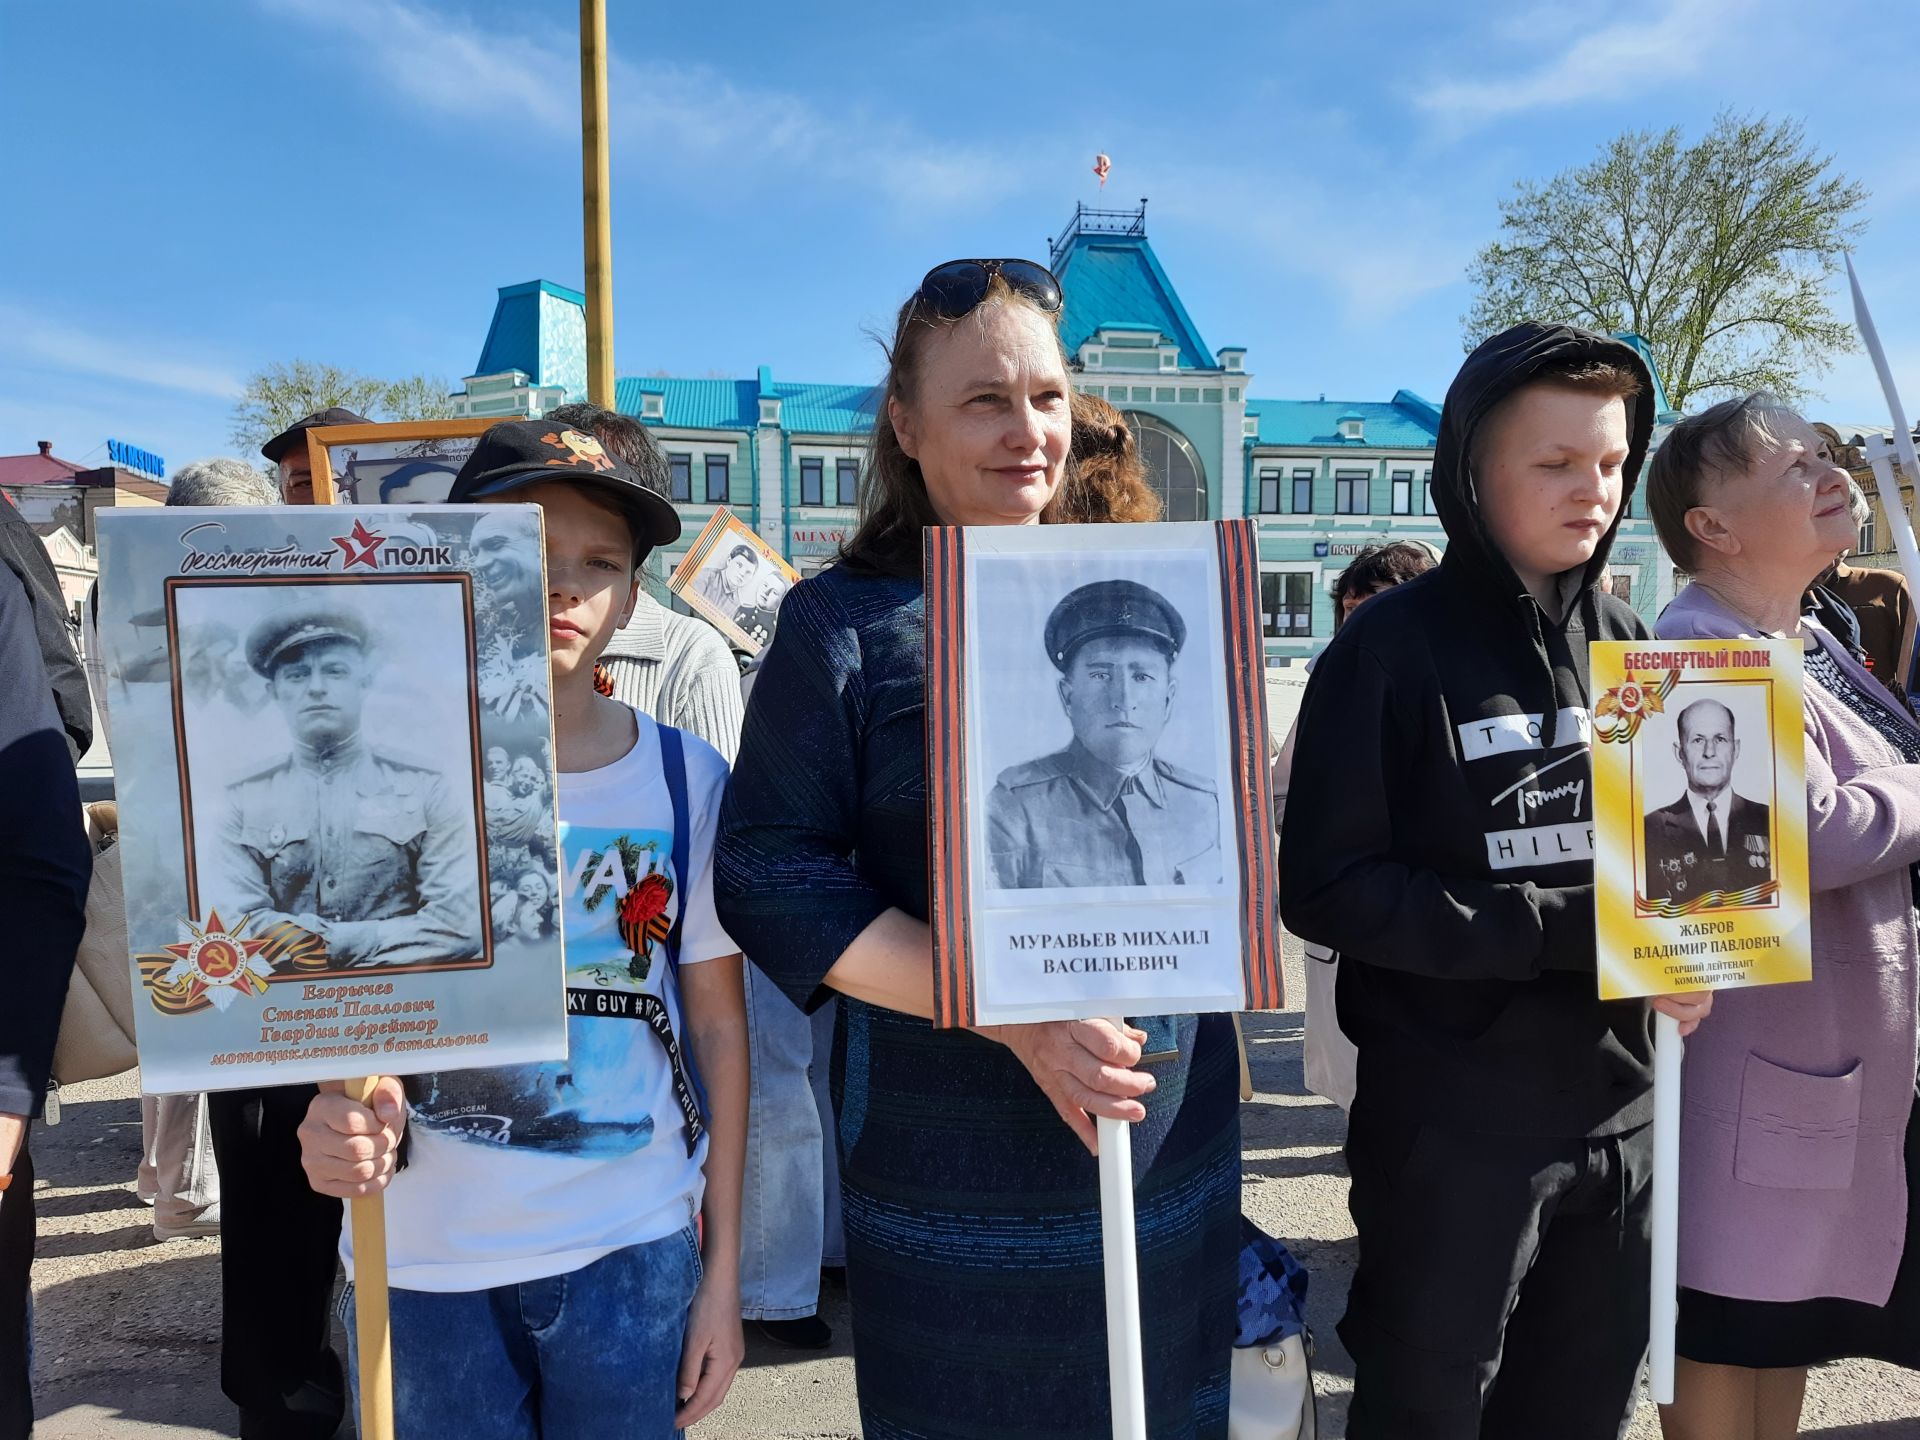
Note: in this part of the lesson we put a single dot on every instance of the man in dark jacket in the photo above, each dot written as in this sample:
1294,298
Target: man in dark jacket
1439,835
22,552
1710,839
45,866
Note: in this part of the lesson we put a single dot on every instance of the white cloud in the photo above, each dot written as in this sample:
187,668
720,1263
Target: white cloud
1621,55
682,116
41,345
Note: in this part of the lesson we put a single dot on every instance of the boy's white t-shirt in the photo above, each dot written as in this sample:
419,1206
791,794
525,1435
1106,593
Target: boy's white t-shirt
529,1171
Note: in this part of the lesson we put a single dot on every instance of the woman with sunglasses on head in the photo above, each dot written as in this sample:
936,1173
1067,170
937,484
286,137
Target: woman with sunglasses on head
969,1183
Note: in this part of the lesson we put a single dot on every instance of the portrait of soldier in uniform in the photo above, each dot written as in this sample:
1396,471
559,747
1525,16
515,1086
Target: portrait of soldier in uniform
370,851
756,619
1711,838
729,585
1106,809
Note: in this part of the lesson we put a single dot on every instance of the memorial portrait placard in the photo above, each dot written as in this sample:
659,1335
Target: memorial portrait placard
334,765
1098,767
391,463
1700,815
734,579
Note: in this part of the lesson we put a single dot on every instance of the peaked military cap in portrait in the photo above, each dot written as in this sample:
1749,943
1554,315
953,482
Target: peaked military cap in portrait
1112,607
300,626
518,453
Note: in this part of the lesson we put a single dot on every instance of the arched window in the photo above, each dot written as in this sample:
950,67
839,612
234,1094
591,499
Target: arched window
1173,467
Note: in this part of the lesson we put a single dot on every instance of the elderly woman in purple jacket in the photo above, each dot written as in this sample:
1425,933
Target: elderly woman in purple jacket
1798,1233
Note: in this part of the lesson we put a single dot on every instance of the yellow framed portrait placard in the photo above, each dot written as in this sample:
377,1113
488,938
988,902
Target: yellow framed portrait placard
1700,815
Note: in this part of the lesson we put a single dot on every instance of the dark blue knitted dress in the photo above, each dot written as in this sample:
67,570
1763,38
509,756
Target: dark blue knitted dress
972,1212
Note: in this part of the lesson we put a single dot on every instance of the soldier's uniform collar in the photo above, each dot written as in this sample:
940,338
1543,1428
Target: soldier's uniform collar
1103,783
331,759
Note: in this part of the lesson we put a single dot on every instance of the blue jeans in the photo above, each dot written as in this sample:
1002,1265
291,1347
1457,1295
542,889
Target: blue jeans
782,1218
580,1356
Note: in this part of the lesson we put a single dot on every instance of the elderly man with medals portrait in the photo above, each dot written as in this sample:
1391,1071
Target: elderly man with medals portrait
1710,839
1107,810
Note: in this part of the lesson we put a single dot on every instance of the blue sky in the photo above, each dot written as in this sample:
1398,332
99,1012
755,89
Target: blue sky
195,190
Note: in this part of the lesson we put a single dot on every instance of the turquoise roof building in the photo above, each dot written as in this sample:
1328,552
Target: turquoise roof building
1323,478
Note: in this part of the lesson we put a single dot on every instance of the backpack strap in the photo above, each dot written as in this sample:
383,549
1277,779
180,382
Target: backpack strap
673,762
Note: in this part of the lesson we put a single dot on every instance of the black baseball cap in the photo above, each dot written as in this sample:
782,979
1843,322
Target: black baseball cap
296,433
518,453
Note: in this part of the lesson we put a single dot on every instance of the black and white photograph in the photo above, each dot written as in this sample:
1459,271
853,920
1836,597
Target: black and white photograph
736,580
1707,795
1098,772
319,805
1104,756
399,463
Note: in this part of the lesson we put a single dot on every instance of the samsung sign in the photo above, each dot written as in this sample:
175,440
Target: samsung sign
130,457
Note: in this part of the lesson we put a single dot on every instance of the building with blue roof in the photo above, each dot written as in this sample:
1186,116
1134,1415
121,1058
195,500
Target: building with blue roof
1323,478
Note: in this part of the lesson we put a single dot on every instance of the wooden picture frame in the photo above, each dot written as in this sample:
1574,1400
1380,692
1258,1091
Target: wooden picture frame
323,440
747,621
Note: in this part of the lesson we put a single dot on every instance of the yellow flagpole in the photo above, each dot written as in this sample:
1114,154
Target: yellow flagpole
372,1325
595,188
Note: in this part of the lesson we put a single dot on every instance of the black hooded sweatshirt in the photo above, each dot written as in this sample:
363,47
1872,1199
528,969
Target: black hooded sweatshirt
1439,823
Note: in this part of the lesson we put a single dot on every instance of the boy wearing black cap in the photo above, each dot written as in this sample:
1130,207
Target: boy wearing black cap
1439,836
548,1271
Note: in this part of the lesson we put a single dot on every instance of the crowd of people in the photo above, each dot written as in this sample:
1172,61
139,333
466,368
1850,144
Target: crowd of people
587,1273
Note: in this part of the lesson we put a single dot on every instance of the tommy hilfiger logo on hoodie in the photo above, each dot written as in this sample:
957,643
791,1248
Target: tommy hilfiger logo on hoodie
1549,819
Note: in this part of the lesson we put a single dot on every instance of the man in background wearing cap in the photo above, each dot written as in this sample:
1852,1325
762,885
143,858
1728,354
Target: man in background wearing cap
1106,810
287,452
354,845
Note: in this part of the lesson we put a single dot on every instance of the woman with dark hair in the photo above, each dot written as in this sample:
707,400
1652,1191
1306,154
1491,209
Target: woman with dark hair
970,1189
1108,470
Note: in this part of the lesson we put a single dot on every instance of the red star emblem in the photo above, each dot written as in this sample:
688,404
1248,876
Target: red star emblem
218,961
362,546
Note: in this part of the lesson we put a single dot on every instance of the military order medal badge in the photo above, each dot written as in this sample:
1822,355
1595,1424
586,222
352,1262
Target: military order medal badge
1700,815
1097,756
333,756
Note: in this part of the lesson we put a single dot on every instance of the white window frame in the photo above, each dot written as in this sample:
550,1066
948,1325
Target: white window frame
1312,569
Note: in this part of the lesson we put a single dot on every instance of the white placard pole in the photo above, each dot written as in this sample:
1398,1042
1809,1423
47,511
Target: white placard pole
1668,1048
1899,444
1126,1374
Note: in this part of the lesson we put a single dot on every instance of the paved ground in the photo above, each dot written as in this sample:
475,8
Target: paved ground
127,1328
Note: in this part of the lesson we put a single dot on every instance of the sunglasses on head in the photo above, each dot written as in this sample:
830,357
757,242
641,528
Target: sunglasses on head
957,287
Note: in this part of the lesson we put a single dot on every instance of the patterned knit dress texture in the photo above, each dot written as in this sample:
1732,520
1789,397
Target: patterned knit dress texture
972,1212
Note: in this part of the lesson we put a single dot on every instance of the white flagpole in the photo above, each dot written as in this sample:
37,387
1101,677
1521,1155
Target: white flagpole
1668,1049
1902,443
1126,1374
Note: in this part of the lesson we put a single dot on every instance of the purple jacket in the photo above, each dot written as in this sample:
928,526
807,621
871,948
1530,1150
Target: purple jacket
1794,1117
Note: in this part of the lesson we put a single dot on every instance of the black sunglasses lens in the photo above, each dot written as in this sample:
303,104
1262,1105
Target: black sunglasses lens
1036,282
954,289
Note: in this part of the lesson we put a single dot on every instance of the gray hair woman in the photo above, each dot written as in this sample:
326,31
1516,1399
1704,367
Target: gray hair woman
1799,1239
221,481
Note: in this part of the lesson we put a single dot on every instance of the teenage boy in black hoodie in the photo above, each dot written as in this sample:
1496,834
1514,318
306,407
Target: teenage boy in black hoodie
1440,834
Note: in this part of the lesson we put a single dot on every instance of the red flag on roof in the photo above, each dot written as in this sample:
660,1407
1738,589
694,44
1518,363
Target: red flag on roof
1101,165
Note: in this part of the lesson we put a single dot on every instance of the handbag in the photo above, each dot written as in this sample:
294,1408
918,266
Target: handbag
1271,1377
1272,1395
96,1024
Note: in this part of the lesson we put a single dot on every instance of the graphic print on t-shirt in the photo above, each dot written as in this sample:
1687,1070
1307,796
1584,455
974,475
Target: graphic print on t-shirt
625,1075
1539,802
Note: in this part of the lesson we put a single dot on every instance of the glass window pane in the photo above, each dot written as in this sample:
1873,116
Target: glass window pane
847,478
1173,467
680,467
1269,492
716,479
1303,492
810,481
